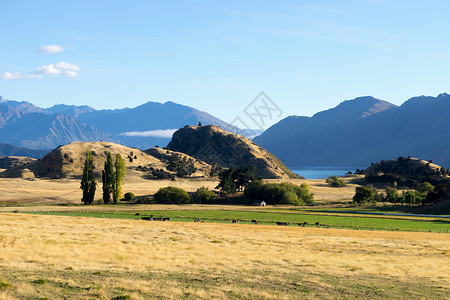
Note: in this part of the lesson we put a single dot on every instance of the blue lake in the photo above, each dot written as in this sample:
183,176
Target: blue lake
322,172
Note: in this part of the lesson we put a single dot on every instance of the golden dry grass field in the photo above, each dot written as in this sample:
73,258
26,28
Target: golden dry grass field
55,257
60,257
53,191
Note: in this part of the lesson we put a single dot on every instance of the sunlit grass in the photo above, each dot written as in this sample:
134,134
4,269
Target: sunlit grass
102,258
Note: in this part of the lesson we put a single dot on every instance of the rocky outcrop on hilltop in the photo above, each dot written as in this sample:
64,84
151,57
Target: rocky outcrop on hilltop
212,144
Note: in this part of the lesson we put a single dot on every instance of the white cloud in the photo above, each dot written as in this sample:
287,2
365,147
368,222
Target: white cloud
49,49
62,68
70,74
48,69
66,66
18,76
159,133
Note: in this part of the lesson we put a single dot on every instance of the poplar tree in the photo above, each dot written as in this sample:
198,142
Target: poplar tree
108,179
88,184
119,174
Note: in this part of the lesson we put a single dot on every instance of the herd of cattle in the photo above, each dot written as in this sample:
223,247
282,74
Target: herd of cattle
151,218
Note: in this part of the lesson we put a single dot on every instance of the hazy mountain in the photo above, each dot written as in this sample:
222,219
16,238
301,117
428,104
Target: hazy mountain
23,124
11,150
71,110
149,124
152,123
22,106
360,131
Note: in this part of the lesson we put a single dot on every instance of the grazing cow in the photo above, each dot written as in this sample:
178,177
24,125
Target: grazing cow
157,219
166,219
255,222
283,223
235,221
137,214
147,218
317,223
197,220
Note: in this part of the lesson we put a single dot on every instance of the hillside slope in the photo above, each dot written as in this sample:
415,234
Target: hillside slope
68,161
212,144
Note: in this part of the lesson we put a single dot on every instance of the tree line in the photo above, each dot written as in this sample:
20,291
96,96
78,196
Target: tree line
113,174
421,195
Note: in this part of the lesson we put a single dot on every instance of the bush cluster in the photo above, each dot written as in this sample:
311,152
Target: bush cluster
279,193
161,174
334,181
172,195
183,166
420,195
128,196
203,195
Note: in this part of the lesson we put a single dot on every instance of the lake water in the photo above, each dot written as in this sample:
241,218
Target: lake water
322,172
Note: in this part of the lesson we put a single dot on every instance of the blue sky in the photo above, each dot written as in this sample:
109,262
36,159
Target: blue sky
217,56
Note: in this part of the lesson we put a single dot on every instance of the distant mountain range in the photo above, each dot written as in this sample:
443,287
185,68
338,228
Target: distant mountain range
26,125
352,134
11,150
364,130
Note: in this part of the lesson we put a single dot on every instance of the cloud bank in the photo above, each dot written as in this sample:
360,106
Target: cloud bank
159,133
61,68
50,49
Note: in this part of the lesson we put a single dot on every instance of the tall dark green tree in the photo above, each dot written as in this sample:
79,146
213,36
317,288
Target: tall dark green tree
231,180
88,184
108,179
119,174
226,182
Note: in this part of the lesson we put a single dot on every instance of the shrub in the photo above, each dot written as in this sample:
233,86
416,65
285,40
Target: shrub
203,195
364,194
129,196
215,169
424,188
279,193
121,297
183,166
391,195
4,285
334,181
172,195
161,174
145,200
39,281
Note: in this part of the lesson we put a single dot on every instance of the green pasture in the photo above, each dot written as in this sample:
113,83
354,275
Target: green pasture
353,221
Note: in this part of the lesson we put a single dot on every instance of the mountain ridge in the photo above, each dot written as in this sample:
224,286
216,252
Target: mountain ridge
416,128
26,125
